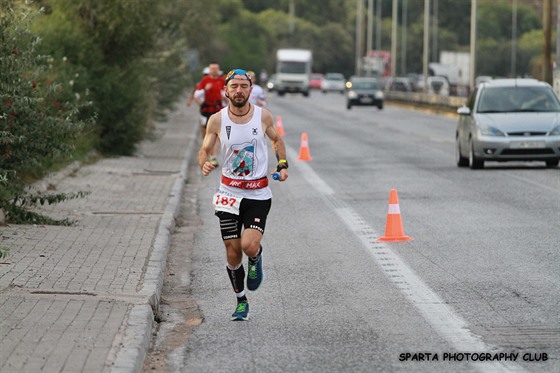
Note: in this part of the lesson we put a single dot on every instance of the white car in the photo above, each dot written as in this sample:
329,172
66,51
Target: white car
509,120
438,85
333,82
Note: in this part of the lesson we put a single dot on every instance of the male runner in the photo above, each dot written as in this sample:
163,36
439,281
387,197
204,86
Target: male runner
213,85
244,198
258,95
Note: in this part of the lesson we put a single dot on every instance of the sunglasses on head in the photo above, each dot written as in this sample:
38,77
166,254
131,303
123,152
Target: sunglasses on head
235,72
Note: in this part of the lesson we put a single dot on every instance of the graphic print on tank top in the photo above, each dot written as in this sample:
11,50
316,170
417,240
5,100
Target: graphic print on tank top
241,162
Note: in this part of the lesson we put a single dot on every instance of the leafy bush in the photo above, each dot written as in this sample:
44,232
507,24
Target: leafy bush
65,60
130,53
41,113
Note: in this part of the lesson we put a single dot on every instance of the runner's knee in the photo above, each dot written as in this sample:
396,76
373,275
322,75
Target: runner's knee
233,252
251,243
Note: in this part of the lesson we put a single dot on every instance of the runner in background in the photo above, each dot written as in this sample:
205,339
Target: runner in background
213,102
258,94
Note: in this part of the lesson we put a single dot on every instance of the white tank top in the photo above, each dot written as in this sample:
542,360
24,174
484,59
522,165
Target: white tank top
244,154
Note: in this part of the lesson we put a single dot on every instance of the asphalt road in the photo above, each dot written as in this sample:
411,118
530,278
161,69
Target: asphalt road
479,279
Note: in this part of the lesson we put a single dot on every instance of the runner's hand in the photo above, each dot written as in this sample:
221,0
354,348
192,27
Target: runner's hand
208,167
283,174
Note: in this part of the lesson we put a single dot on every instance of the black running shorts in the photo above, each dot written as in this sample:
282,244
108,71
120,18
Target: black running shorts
252,215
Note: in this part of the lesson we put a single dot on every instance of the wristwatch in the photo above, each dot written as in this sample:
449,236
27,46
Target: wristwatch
282,164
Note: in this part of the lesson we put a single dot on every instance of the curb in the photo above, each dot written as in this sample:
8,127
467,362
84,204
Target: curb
139,323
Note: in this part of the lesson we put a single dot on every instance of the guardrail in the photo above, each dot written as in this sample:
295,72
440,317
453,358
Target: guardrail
429,101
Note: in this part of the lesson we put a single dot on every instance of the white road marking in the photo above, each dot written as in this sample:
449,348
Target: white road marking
529,181
434,310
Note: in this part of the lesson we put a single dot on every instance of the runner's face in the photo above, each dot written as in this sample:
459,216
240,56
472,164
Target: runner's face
239,90
214,70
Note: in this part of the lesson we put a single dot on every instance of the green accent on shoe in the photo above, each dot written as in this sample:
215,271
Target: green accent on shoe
255,274
241,312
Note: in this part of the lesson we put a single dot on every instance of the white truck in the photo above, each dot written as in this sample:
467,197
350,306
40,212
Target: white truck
293,68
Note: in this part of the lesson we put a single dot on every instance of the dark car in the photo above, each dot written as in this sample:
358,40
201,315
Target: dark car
364,91
399,85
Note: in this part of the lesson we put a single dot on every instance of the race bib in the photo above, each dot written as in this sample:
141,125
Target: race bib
227,202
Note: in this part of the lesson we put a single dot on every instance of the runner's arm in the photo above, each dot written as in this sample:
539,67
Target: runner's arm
190,101
278,144
212,134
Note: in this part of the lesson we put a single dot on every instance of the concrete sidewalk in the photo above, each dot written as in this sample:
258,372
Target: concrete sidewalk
81,298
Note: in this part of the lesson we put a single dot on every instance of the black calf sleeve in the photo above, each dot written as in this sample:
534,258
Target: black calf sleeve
237,278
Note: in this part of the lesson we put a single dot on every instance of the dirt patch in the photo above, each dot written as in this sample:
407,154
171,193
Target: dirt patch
178,313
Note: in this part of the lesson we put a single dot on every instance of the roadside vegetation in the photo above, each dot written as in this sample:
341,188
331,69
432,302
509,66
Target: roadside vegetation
82,76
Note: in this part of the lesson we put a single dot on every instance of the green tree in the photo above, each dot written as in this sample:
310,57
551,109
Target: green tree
244,42
332,50
131,53
530,46
41,113
494,20
316,12
490,57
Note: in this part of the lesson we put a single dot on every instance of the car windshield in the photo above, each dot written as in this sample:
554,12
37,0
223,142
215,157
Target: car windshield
517,99
291,67
334,77
364,84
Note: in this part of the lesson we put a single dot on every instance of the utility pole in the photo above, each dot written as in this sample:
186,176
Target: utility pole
557,69
378,26
547,53
404,31
292,12
513,38
394,38
369,43
359,35
426,50
472,62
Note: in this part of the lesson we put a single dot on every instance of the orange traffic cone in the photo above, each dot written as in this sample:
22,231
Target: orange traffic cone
304,149
394,229
280,127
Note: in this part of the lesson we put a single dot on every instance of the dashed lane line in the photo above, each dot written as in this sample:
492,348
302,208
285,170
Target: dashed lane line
435,311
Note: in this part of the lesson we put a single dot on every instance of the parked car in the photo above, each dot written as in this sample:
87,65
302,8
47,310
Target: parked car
364,91
415,80
333,82
399,84
315,80
509,120
438,85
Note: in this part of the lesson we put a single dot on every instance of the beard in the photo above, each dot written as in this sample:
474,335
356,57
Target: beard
239,101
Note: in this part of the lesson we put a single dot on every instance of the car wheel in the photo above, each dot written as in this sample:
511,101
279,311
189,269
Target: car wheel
348,106
380,106
552,163
281,93
474,162
459,159
306,93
